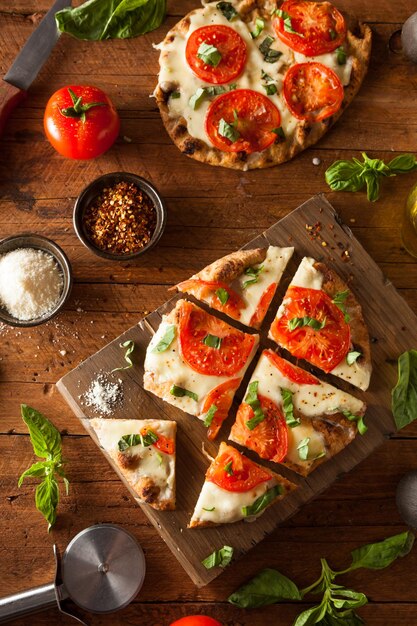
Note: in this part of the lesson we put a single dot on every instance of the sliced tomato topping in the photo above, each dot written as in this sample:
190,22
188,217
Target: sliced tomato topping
250,113
319,27
164,444
290,371
269,438
312,91
241,474
206,291
231,47
263,306
227,360
324,347
222,398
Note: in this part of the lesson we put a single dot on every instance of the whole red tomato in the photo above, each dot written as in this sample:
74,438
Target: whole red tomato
196,620
81,122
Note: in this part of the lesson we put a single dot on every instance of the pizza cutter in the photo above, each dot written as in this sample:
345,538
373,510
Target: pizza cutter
102,570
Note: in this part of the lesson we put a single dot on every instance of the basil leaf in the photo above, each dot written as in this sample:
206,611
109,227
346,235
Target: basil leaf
228,10
279,133
298,322
37,470
160,457
228,468
287,22
344,176
267,587
403,163
347,619
311,616
210,415
404,394
175,94
252,271
197,98
262,502
213,508
269,55
222,295
259,26
288,408
270,89
339,300
219,558
164,343
45,438
212,341
47,498
360,424
229,131
209,54
208,92
341,55
371,179
265,76
348,599
130,346
127,441
352,357
382,554
253,401
111,19
303,448
180,392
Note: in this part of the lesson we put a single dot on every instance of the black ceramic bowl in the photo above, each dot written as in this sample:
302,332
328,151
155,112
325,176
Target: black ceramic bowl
29,240
90,193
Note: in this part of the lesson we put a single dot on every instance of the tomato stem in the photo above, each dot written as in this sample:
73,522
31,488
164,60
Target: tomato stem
78,109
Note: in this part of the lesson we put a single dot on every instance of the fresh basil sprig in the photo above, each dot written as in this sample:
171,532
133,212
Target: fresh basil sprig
404,394
338,604
219,558
166,340
129,345
228,10
209,54
180,392
262,502
253,401
298,322
111,19
127,441
46,442
354,175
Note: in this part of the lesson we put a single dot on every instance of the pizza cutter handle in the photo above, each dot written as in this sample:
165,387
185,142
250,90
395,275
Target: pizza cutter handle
30,601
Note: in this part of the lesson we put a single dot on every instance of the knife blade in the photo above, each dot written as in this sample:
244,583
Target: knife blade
29,61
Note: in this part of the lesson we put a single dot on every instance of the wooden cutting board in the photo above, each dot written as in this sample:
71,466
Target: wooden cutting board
314,229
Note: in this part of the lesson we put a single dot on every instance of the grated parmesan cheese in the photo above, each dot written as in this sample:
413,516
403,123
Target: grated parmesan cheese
30,283
103,395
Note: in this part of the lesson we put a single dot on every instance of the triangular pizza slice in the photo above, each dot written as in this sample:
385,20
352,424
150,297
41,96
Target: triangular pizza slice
144,453
236,488
321,321
241,284
289,416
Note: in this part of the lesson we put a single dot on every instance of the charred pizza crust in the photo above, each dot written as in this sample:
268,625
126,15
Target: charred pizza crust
358,42
232,265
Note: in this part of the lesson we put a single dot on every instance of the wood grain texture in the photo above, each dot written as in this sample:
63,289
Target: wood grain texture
376,294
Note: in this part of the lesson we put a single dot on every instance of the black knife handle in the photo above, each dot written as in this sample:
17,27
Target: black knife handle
10,97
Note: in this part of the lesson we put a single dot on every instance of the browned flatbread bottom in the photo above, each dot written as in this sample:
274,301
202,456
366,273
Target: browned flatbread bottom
306,134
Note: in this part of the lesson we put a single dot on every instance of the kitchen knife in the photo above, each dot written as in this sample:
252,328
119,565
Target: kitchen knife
28,62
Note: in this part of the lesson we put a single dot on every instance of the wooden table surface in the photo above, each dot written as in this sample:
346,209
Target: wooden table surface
211,212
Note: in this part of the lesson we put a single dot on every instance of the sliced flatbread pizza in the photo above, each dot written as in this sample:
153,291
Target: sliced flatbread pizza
196,362
241,284
235,489
144,453
249,84
289,416
321,321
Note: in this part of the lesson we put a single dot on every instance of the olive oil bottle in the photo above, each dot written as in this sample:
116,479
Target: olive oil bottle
409,227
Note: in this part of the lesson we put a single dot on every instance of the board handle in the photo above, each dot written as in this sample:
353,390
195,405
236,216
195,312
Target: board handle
10,97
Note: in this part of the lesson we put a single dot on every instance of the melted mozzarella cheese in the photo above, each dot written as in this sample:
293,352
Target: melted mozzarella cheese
307,276
227,504
316,443
153,463
174,70
358,374
169,367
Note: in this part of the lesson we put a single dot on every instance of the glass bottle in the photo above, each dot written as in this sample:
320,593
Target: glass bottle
409,226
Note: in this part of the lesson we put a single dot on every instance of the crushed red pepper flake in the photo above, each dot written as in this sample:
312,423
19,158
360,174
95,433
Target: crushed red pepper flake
121,220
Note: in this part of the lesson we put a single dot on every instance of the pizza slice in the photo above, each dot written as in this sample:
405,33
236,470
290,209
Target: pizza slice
196,362
289,416
321,321
241,284
236,488
143,451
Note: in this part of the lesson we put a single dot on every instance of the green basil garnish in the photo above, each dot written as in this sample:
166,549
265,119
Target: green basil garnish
297,322
218,558
404,394
175,94
253,401
340,301
259,26
212,341
213,508
303,448
164,343
362,427
280,134
288,407
229,131
352,357
130,346
210,415
262,502
180,392
287,22
222,295
270,56
127,441
333,34
209,54
252,271
228,468
341,56
270,89
203,93
228,10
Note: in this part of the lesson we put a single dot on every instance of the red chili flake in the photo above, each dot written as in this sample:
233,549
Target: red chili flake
121,220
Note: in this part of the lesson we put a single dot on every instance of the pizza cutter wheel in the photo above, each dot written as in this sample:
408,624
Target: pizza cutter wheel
102,570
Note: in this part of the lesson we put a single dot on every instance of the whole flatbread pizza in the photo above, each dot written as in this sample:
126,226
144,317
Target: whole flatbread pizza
250,84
